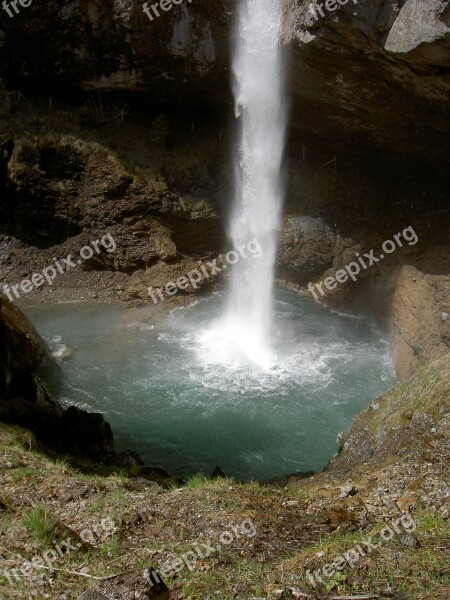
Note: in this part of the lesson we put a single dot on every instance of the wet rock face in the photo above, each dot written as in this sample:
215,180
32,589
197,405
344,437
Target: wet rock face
114,45
421,331
37,204
59,189
21,351
57,185
306,248
371,73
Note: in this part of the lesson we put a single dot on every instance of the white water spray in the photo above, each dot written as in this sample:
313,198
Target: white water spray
260,107
258,72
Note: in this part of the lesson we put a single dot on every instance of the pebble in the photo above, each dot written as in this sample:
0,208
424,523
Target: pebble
348,490
409,540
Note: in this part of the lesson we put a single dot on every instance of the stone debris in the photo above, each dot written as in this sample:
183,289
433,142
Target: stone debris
348,490
145,585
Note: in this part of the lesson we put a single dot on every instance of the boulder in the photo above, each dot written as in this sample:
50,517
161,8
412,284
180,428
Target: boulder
305,249
218,473
129,459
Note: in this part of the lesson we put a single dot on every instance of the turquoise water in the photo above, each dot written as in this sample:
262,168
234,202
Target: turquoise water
148,372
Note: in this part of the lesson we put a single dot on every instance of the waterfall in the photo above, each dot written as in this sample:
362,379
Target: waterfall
260,110
260,107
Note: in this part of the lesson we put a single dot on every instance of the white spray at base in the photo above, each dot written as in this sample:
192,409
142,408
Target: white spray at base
260,107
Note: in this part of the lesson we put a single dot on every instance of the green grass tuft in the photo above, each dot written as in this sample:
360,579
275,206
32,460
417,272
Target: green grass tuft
41,523
197,481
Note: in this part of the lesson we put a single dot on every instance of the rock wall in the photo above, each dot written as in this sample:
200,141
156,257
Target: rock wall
420,319
58,186
112,45
397,425
371,73
136,138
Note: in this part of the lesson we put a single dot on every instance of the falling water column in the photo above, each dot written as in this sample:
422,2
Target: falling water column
260,107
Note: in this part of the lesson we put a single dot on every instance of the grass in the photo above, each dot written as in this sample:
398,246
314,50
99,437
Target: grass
196,482
41,523
427,392
97,505
433,522
153,523
62,465
122,477
119,496
298,494
416,572
24,473
5,523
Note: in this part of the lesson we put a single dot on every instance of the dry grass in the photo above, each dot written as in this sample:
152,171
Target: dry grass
42,498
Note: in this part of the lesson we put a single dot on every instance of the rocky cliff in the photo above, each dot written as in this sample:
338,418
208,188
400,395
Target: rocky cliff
371,73
123,123
110,122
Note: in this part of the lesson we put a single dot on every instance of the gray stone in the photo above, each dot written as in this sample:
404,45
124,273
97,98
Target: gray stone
145,481
306,247
409,540
93,595
418,23
348,490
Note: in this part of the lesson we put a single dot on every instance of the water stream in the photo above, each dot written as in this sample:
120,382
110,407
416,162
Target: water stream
256,384
166,397
260,107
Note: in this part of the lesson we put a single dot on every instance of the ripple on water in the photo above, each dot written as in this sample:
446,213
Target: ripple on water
160,384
